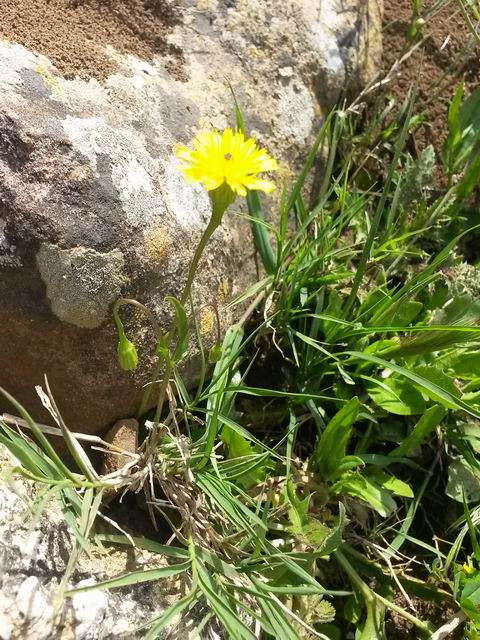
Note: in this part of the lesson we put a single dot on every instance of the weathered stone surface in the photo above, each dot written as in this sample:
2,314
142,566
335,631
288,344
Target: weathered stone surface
33,559
124,436
92,205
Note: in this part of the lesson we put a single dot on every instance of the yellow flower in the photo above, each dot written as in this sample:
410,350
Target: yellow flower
226,158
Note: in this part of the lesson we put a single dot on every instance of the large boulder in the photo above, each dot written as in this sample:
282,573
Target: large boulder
93,96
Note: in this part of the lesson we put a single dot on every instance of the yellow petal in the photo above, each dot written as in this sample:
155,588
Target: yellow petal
218,157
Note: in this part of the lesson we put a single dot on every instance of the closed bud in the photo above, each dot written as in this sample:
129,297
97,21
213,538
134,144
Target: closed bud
215,353
127,353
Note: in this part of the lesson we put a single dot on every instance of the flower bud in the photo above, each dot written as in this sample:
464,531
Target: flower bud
127,353
215,353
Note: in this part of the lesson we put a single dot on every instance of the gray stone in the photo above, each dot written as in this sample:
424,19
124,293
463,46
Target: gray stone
29,599
33,557
81,284
90,609
92,203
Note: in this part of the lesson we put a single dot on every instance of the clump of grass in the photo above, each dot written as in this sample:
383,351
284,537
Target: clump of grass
321,522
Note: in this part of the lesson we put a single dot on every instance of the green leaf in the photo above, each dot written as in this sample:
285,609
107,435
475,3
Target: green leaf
135,577
221,604
427,423
157,624
239,447
461,312
462,480
260,233
183,329
352,609
297,513
466,363
440,379
396,395
431,390
28,453
391,483
330,449
464,131
470,598
259,229
219,399
330,631
349,462
357,485
417,177
239,514
471,530
451,143
274,620
469,432
240,122
404,314
144,543
322,539
470,178
333,539
45,444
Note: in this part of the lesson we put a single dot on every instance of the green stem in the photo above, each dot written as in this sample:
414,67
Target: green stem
355,579
401,612
371,597
207,234
218,329
124,301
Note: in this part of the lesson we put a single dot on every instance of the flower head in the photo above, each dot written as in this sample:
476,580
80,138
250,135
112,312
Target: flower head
226,159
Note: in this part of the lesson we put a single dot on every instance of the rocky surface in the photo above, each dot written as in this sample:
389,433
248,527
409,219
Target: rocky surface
34,553
91,203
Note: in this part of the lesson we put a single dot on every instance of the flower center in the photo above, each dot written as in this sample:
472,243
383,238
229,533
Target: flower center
228,156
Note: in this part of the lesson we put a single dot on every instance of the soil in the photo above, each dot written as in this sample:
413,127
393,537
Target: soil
397,628
446,54
75,33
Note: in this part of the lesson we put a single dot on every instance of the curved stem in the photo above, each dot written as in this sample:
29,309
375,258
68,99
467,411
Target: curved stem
158,332
125,301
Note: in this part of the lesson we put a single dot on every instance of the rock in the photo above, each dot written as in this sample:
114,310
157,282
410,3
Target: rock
93,206
90,609
33,559
124,435
29,599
